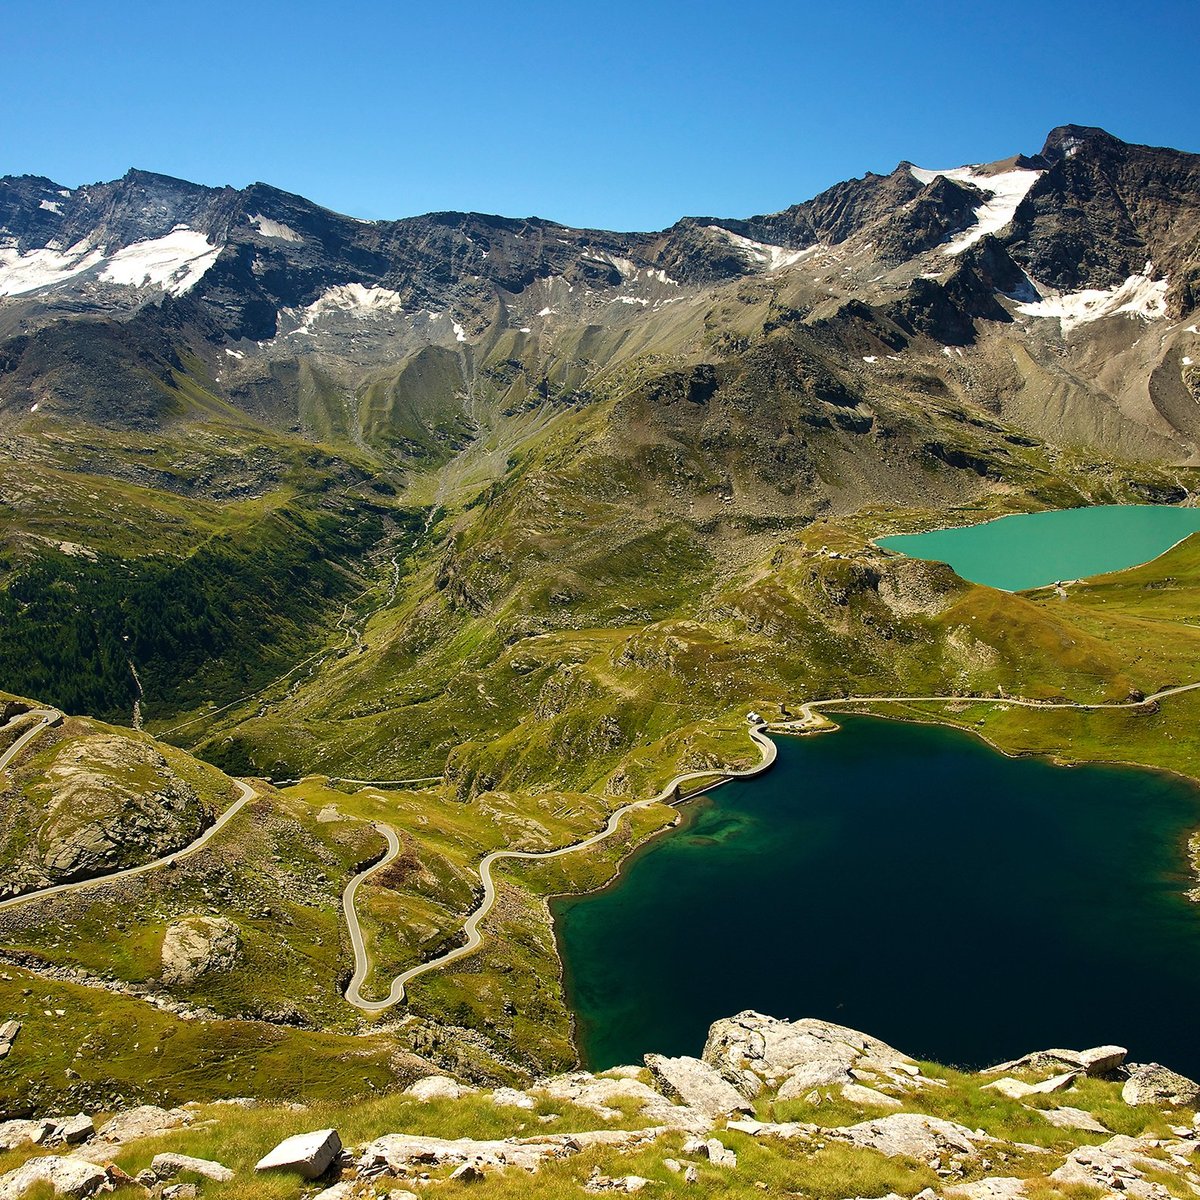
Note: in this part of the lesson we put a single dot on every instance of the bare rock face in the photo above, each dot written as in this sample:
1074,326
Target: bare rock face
102,803
697,1085
196,946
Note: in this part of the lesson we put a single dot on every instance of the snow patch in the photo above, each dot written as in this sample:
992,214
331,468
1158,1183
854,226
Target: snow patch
632,300
1187,362
51,206
1139,296
546,312
763,254
21,273
35,407
459,334
234,353
525,329
870,358
175,262
1006,190
275,229
354,299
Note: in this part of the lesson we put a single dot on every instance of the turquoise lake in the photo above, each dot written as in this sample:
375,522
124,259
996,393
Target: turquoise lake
1034,549
911,882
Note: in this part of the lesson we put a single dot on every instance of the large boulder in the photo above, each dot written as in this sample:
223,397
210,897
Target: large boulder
168,1165
1098,1061
604,1096
1152,1083
438,1087
910,1135
66,1175
796,1056
197,945
697,1085
308,1154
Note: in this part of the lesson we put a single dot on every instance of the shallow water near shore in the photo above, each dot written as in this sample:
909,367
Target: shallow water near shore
1031,550
911,882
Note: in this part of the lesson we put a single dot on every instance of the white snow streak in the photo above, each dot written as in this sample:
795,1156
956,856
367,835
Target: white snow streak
275,229
763,254
51,206
1006,189
1138,296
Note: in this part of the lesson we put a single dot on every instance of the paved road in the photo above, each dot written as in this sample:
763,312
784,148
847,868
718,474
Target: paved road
362,964
247,793
810,719
48,717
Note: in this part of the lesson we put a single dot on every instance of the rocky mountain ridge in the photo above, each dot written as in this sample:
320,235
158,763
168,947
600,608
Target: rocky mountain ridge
266,289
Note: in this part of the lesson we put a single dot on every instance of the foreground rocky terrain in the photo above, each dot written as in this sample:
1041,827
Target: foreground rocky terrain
771,1107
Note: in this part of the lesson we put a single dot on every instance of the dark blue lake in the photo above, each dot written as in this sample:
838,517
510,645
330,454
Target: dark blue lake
911,882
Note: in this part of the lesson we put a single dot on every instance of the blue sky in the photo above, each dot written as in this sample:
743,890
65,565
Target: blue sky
620,114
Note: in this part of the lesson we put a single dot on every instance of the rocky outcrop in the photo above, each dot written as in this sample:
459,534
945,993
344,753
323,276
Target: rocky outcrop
1152,1083
197,946
603,1095
64,1175
796,1056
1097,1062
101,803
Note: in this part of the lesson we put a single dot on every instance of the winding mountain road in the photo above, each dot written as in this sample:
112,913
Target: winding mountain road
48,717
247,793
362,963
809,718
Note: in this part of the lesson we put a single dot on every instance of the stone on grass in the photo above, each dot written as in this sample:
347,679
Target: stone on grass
168,1165
467,1173
438,1087
856,1093
65,1174
1014,1089
1003,1187
144,1121
1073,1118
508,1097
719,1154
910,1135
1152,1083
339,1191
308,1154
